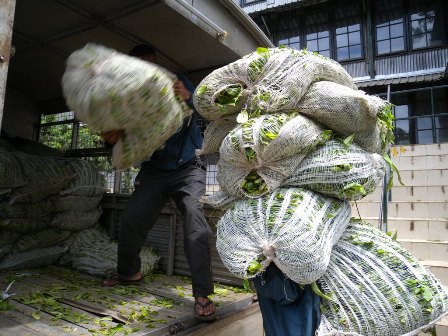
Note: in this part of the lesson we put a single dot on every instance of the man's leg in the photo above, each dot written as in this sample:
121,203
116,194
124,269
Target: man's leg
186,188
142,210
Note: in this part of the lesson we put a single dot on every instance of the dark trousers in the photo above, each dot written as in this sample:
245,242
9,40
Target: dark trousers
153,187
286,308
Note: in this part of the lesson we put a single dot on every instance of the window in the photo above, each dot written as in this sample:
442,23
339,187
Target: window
348,32
389,27
414,24
426,24
335,33
421,116
317,35
250,2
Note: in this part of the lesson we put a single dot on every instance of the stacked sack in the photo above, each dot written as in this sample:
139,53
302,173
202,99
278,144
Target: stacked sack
297,142
111,91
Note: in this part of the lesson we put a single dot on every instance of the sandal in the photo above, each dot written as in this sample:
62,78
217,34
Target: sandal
210,317
118,280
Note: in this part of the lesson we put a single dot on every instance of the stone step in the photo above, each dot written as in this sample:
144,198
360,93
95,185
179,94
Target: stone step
438,268
430,177
411,228
417,209
426,249
419,150
441,328
427,162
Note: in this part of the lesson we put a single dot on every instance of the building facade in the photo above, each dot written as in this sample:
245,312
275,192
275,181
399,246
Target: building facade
396,46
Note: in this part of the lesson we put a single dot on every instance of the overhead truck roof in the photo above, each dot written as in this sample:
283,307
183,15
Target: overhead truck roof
192,36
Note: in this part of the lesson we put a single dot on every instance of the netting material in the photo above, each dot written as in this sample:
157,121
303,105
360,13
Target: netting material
34,258
378,288
214,134
268,148
11,174
346,111
292,227
75,203
25,225
340,170
46,176
109,90
266,81
88,181
40,239
93,252
75,220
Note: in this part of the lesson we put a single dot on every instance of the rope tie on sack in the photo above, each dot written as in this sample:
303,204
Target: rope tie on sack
268,251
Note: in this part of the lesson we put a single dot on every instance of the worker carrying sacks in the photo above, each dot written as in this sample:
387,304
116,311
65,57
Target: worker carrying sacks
258,155
111,91
376,287
266,81
292,227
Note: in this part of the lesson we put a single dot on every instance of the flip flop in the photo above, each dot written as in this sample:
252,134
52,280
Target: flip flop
210,317
116,280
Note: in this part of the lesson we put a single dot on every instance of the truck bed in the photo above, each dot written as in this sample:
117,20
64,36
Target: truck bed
61,301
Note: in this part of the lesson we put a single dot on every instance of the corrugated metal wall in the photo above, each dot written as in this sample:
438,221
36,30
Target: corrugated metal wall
416,61
357,69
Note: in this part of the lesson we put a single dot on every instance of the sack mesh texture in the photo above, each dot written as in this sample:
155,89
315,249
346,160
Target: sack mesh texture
40,239
343,109
75,220
46,176
258,155
11,174
266,81
378,288
214,134
292,227
25,225
88,181
343,171
75,203
93,252
40,257
110,91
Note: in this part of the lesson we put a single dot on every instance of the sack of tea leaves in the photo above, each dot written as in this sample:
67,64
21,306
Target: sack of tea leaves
11,174
266,81
25,225
39,239
292,227
93,252
74,220
377,288
259,154
88,181
214,134
46,176
110,91
347,111
39,257
340,170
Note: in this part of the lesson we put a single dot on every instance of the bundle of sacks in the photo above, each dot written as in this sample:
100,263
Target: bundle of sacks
47,205
111,91
297,141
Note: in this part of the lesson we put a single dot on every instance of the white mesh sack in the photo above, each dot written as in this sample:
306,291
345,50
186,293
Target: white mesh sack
75,220
214,134
265,81
46,176
11,174
88,182
340,170
292,227
377,288
39,239
258,155
93,252
109,91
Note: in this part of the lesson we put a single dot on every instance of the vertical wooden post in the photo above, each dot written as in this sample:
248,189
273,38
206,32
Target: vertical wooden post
7,8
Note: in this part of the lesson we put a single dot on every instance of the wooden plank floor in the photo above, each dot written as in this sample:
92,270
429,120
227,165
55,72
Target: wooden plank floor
60,301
